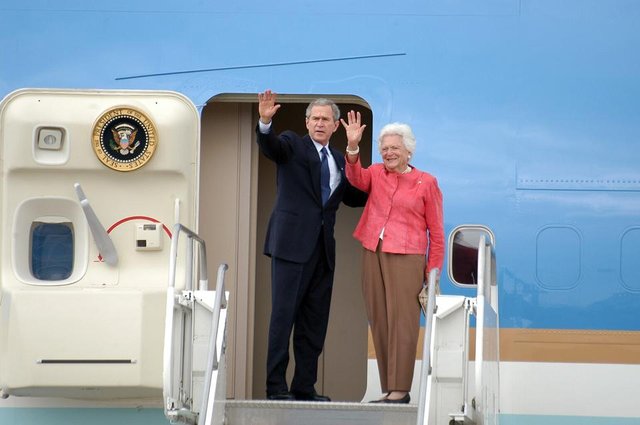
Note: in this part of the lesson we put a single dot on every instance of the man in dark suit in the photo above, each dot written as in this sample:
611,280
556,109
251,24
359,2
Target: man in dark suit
310,186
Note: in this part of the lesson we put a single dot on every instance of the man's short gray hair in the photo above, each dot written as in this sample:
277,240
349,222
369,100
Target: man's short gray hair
402,130
324,102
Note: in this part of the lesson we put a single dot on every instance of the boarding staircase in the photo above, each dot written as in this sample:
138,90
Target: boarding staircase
453,390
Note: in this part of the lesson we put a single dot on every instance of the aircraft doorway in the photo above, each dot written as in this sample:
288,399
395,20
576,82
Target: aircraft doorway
237,191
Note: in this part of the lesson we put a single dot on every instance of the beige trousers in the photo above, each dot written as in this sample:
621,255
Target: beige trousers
390,285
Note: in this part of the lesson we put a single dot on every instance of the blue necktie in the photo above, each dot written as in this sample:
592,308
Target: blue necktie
324,176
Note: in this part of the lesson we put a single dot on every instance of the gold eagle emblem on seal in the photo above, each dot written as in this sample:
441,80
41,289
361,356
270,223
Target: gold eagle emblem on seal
124,139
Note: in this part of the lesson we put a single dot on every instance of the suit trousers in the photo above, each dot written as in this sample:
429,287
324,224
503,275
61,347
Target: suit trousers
390,285
300,301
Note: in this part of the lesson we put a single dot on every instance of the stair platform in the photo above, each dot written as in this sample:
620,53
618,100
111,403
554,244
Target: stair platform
264,412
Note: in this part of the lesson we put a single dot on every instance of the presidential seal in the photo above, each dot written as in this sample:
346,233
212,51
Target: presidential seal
124,139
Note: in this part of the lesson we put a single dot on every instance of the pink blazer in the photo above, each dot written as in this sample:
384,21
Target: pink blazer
407,206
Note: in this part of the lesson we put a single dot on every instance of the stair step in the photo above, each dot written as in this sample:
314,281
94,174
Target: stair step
263,412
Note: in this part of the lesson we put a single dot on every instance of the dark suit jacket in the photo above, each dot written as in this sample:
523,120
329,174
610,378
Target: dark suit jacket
298,215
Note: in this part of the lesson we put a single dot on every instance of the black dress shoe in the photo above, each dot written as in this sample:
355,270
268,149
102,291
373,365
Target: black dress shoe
314,396
404,400
281,396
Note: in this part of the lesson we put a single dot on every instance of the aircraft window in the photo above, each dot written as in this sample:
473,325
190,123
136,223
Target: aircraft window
52,250
463,253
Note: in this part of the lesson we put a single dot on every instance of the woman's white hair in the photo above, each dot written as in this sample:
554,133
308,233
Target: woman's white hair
399,129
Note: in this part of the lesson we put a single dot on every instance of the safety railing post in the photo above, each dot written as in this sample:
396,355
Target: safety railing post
426,347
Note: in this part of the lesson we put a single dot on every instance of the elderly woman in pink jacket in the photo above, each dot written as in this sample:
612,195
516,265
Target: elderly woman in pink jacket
401,231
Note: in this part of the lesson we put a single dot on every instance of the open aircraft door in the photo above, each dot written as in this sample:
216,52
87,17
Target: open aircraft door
92,183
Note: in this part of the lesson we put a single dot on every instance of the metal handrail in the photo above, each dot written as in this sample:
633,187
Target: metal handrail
204,281
212,363
486,304
168,352
426,346
220,302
